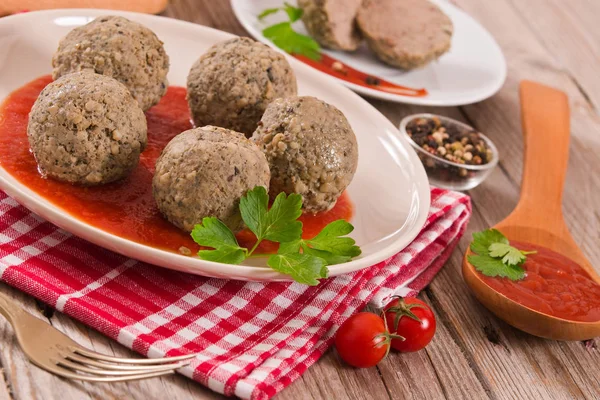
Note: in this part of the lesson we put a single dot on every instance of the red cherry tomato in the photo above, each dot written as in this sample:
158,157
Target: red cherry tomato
362,341
413,320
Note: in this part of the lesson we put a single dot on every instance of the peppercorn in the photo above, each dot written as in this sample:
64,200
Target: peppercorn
371,80
450,142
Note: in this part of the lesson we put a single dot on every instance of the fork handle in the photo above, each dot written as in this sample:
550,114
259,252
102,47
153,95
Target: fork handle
9,308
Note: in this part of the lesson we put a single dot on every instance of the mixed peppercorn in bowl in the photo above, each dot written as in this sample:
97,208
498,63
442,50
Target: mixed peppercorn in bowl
455,155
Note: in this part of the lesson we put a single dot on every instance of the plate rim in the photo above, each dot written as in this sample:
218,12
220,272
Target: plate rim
236,7
61,218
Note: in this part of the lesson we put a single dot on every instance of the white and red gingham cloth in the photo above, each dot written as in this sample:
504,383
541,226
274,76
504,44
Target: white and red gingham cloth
251,339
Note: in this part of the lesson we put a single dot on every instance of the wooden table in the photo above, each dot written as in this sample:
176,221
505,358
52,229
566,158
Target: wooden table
473,355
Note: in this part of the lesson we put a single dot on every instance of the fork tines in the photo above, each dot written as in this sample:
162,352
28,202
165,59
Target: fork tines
91,366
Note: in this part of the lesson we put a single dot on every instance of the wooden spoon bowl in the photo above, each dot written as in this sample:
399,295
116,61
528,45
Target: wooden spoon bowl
538,217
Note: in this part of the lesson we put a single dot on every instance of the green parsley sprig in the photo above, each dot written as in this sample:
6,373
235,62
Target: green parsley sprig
496,257
305,260
286,38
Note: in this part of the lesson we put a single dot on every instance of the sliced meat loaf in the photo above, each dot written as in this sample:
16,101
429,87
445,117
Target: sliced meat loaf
405,33
332,22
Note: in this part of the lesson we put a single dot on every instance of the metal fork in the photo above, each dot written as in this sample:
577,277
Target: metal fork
50,349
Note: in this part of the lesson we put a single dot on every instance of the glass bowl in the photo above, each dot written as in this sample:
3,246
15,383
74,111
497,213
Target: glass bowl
447,174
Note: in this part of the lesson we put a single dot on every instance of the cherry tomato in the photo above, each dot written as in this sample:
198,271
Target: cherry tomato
362,341
413,320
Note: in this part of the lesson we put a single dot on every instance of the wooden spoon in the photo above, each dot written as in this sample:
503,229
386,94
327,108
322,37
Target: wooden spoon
538,217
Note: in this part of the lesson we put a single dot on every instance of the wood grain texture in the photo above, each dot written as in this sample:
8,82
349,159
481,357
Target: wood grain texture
473,355
571,35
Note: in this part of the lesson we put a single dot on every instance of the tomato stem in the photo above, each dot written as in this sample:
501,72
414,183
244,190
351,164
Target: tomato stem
402,309
387,337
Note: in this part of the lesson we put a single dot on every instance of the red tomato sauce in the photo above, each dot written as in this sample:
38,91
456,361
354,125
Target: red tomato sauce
553,285
125,208
335,68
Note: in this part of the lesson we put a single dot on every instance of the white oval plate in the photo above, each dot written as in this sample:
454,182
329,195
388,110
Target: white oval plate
390,190
473,70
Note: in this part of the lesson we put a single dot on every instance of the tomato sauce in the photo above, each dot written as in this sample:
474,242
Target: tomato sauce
335,68
553,285
125,208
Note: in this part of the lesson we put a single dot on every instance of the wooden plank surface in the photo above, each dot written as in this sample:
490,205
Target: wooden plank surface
473,355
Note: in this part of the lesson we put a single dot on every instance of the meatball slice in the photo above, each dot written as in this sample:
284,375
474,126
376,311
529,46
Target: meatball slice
332,22
405,33
203,172
233,82
86,129
119,48
311,150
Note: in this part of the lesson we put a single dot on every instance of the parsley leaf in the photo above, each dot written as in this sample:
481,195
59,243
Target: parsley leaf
496,257
495,267
329,244
282,224
278,224
331,239
214,233
267,12
294,13
253,207
224,254
304,260
290,247
330,258
284,37
484,239
509,254
303,268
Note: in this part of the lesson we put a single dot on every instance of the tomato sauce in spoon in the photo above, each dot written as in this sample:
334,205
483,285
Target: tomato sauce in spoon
553,285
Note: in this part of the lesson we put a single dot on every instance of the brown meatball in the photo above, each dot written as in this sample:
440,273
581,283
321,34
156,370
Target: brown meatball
405,33
86,129
232,84
203,172
311,150
332,22
120,48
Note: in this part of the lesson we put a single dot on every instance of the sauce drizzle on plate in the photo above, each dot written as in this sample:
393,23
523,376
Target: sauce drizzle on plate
125,208
335,68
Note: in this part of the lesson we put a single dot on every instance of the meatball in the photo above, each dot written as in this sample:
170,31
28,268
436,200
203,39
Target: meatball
203,172
405,33
332,22
233,82
122,49
86,129
311,150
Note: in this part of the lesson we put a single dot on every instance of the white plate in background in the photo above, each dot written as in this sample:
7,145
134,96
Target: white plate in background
473,70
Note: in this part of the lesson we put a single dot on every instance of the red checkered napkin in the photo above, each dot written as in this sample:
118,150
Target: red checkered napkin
252,339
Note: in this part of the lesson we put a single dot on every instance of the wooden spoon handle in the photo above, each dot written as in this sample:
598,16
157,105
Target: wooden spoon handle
545,118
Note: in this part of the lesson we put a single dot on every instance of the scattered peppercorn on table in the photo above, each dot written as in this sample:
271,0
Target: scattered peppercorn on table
473,354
